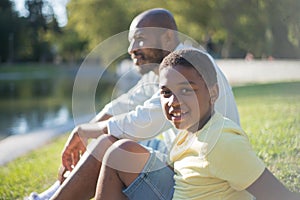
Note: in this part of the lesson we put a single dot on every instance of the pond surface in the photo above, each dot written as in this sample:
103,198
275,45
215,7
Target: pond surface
38,99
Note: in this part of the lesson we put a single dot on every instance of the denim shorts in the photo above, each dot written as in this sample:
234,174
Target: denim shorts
155,182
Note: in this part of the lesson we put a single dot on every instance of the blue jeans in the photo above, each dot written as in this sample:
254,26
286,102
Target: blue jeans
155,181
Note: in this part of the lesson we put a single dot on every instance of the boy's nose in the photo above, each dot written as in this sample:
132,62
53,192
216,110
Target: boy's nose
173,101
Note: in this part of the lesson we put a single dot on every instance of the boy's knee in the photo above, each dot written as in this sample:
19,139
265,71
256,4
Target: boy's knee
129,146
99,146
126,155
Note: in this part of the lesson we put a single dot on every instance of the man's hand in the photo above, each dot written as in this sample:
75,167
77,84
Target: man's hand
78,140
74,148
62,174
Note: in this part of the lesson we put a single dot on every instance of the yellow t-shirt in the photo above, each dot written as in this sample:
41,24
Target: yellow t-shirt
216,162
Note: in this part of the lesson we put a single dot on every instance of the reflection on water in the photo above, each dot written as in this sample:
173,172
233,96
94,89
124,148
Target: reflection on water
19,126
58,118
26,121
30,103
37,100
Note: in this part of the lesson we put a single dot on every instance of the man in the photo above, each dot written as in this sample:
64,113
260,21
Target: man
145,120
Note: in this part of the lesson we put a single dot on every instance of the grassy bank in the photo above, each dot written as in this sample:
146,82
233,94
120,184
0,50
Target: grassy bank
269,114
33,172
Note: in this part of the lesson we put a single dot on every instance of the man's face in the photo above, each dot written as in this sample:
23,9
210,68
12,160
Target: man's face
185,97
146,49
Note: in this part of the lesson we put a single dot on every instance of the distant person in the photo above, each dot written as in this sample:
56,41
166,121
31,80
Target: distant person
249,56
211,158
137,114
270,58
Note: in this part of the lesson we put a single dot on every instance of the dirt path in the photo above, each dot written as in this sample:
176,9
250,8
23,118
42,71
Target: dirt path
260,71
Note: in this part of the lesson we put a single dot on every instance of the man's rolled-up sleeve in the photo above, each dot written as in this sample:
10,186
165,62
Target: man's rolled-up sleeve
145,122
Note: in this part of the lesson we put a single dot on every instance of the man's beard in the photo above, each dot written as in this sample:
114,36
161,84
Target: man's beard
152,62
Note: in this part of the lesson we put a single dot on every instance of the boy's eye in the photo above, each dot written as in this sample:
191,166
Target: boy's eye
166,93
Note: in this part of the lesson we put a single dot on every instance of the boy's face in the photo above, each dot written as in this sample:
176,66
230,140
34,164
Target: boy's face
185,97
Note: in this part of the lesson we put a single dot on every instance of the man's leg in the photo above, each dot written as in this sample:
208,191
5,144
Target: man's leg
127,164
81,182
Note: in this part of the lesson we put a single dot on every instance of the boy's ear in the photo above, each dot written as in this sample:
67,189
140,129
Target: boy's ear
214,93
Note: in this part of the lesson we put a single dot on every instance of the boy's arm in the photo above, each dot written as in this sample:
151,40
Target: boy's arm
268,187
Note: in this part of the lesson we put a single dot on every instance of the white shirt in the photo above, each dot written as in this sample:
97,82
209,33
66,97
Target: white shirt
137,95
147,119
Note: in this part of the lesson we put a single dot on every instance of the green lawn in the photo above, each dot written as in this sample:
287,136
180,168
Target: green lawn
269,114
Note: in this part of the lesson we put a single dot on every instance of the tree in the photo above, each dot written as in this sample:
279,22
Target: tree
264,27
37,19
96,20
283,16
8,31
70,46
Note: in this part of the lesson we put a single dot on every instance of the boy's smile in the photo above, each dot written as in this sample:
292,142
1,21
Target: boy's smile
185,97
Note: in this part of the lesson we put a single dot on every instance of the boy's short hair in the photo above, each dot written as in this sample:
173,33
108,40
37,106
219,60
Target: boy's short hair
197,59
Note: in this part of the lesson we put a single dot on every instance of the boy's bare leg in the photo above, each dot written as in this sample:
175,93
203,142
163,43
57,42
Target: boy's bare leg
82,181
122,164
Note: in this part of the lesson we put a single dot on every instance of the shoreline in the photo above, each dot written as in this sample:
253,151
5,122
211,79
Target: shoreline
15,146
238,72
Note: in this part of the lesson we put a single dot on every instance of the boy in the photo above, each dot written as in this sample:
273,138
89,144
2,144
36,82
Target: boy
211,157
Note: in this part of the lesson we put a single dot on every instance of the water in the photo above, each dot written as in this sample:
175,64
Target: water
37,99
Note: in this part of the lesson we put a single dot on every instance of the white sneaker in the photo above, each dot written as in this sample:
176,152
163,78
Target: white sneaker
33,196
46,195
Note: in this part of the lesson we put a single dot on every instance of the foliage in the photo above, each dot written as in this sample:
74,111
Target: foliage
22,38
38,22
259,26
97,20
70,46
8,31
269,114
228,28
232,28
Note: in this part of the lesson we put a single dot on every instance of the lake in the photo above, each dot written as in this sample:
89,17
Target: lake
38,98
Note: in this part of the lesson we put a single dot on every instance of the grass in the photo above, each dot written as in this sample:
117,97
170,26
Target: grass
269,114
32,172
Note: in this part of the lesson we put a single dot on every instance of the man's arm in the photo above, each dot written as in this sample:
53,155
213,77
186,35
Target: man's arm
137,95
78,138
102,116
145,122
